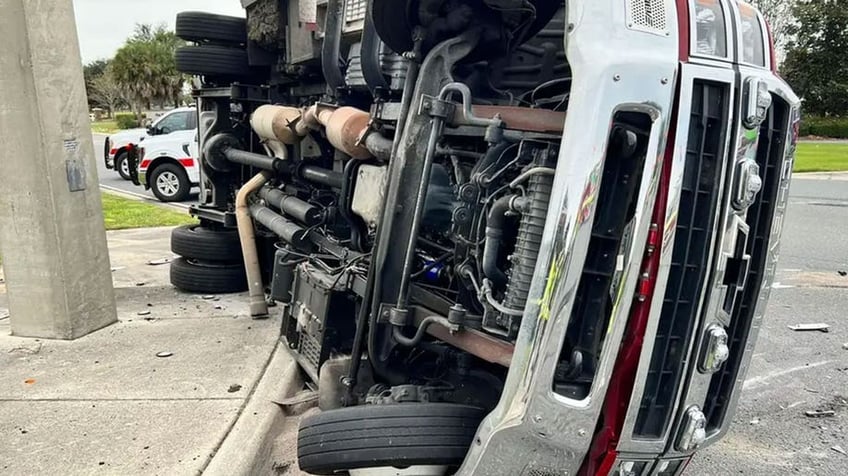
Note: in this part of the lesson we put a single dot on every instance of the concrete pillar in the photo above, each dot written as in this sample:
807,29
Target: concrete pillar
55,259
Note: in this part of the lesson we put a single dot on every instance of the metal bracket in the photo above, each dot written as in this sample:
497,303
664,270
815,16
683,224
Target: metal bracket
435,107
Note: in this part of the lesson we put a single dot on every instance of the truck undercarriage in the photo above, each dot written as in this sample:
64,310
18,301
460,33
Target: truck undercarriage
508,236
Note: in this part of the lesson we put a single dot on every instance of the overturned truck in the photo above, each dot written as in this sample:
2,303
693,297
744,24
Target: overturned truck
508,237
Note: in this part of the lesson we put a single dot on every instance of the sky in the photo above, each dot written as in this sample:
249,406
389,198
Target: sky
103,25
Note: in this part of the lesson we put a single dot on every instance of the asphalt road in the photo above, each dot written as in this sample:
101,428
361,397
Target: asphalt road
110,180
793,372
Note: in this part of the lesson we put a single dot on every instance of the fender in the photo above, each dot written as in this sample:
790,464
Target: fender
174,148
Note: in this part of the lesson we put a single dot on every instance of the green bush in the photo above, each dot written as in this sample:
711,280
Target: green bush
833,127
126,121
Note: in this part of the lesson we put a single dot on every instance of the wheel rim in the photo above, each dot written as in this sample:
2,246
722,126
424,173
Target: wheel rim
125,168
168,184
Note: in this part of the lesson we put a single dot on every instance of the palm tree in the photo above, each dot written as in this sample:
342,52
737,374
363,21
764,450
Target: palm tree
146,68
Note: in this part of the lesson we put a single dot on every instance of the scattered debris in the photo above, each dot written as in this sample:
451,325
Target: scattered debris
149,305
819,413
118,268
140,283
143,313
843,273
160,262
306,396
29,381
164,354
208,297
820,327
845,346
755,421
234,388
282,468
839,450
219,307
29,349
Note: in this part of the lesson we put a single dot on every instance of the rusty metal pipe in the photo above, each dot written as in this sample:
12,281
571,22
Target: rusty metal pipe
247,236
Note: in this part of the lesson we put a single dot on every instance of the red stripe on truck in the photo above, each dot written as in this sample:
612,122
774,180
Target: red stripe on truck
187,162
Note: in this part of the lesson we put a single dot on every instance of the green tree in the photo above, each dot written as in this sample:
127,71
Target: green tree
816,62
92,71
146,69
106,92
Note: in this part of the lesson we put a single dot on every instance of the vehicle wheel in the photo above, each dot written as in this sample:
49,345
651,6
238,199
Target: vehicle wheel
198,242
202,27
122,165
205,277
209,60
170,183
375,436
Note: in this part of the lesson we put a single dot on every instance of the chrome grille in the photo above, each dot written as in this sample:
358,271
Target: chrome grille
690,257
770,158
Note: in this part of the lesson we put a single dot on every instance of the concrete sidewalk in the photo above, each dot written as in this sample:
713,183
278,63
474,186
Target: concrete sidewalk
106,404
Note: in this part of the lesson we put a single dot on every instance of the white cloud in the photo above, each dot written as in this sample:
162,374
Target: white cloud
104,25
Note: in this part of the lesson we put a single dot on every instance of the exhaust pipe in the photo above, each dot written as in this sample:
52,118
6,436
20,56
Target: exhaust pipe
247,236
347,128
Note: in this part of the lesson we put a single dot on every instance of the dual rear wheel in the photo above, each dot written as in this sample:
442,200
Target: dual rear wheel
210,260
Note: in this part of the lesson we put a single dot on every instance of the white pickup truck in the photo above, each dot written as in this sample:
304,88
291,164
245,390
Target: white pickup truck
168,166
115,149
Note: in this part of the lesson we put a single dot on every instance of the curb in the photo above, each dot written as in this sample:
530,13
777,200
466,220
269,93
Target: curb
247,448
833,176
143,198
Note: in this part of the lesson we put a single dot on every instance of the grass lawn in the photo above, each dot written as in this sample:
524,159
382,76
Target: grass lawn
108,126
120,214
821,157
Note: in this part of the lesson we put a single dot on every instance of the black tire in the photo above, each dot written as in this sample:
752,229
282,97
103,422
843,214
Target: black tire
202,27
400,435
169,182
209,60
198,242
203,277
120,160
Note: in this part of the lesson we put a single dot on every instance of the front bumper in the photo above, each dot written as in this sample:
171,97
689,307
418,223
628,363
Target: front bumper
535,430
